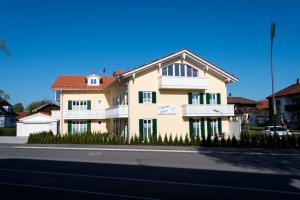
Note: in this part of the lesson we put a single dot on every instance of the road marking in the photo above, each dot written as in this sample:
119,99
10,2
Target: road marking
155,181
76,191
153,150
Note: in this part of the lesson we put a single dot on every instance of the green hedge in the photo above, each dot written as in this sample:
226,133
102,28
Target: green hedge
248,139
7,131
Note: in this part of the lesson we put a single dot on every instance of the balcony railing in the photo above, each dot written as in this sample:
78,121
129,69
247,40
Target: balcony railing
174,82
118,112
197,110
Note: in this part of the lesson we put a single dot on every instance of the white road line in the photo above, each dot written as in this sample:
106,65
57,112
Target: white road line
153,150
76,191
156,181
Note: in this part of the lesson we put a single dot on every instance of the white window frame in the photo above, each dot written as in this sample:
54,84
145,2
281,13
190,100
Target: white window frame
180,66
147,97
213,98
197,99
147,129
79,126
197,127
215,128
79,105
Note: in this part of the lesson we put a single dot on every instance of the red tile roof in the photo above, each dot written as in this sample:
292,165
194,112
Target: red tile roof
292,89
79,82
240,100
263,104
22,114
119,72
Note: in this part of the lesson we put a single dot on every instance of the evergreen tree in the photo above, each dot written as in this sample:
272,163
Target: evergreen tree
171,142
186,140
166,142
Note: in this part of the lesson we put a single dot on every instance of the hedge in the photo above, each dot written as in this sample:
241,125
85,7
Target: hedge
248,139
7,131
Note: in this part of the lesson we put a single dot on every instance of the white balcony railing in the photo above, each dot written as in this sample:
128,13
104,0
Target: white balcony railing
118,112
196,110
174,82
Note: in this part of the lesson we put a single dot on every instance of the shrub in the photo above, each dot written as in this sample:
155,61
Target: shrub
223,142
171,140
8,132
234,141
180,140
176,141
166,141
208,141
216,141
159,140
198,140
186,140
228,142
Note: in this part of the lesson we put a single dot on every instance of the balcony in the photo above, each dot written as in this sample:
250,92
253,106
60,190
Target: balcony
118,112
197,110
175,82
79,114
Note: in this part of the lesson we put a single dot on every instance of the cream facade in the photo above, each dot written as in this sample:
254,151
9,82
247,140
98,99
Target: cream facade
178,94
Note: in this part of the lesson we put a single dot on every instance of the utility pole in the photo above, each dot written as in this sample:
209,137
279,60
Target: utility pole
273,27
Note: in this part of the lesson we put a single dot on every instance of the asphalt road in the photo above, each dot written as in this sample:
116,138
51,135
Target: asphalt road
86,172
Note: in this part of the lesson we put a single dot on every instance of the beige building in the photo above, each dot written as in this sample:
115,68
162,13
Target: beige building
178,94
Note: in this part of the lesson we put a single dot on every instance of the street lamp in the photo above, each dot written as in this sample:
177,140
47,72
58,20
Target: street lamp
273,27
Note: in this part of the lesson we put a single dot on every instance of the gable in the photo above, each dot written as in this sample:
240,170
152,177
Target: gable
37,118
185,55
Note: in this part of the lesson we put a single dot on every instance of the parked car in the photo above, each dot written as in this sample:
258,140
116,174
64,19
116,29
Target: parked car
279,130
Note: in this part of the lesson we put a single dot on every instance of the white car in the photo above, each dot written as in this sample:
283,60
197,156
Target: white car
279,130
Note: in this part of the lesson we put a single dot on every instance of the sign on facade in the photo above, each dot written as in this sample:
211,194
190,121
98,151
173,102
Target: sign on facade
166,109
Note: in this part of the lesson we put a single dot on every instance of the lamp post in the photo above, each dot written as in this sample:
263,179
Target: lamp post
273,27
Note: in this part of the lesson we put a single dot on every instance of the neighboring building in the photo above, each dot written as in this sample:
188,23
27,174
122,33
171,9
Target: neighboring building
178,94
7,115
262,116
288,104
39,120
244,109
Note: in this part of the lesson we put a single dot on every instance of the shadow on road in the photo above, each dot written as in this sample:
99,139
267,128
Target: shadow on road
107,180
265,159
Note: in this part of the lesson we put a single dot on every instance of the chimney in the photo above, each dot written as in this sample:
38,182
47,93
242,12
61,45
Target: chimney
298,81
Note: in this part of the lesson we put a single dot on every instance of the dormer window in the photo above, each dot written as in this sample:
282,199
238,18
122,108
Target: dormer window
177,69
93,80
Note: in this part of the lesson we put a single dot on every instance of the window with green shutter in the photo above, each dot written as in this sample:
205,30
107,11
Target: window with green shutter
140,97
207,98
153,97
89,130
220,125
141,128
201,98
191,126
154,127
218,98
202,129
69,105
209,131
190,98
89,104
69,127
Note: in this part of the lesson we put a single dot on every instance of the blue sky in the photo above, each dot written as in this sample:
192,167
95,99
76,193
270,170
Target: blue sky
49,38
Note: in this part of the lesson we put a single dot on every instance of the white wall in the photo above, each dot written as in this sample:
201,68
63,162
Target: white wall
24,129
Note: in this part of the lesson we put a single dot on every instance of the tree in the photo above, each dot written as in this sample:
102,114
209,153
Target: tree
3,95
18,107
36,104
3,47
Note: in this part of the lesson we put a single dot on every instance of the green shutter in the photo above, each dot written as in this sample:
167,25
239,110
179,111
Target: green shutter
69,127
89,126
89,104
208,128
220,125
190,100
207,98
69,105
153,97
218,98
201,98
154,127
191,122
202,128
140,97
141,124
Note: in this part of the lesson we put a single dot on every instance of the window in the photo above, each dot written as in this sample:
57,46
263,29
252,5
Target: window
147,129
79,105
215,128
99,102
197,127
147,97
195,98
178,69
79,126
93,81
213,98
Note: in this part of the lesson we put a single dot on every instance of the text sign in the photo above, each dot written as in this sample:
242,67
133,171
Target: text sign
166,109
